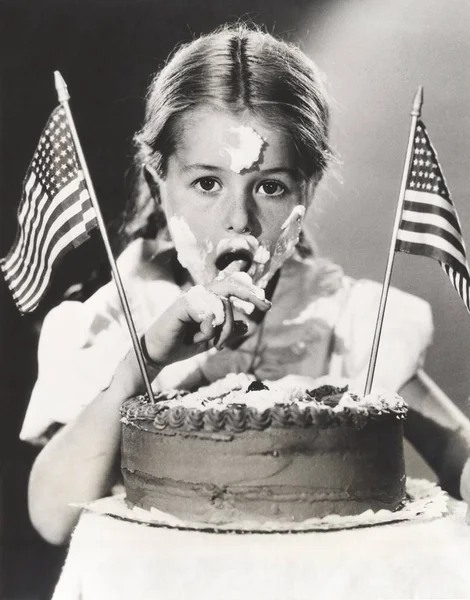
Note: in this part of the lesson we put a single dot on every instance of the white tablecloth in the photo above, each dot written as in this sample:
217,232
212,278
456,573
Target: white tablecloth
114,559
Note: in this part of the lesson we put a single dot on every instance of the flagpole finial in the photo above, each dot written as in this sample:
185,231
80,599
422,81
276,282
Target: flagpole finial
417,103
61,87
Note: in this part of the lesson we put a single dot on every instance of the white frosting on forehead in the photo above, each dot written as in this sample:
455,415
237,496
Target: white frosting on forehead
243,145
190,255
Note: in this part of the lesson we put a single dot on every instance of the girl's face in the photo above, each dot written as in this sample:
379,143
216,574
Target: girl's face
229,188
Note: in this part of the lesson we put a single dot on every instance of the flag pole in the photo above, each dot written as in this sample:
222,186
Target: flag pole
415,114
63,96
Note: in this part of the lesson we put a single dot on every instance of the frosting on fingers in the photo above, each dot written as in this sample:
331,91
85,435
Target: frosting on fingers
206,304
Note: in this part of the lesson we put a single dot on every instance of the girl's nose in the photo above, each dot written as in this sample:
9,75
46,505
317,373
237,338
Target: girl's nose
238,216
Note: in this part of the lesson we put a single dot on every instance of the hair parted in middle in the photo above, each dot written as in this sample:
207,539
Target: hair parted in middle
235,69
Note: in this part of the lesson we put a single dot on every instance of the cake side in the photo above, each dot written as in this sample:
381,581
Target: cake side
286,474
220,462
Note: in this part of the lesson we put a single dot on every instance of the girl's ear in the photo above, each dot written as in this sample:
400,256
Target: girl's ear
152,179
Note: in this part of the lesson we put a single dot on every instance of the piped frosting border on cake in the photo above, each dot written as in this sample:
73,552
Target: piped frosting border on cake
238,402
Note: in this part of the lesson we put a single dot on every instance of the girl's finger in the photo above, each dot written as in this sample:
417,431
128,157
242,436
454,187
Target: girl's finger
227,326
206,331
204,306
207,327
243,289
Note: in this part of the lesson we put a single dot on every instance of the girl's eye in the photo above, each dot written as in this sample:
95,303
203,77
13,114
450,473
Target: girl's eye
207,185
271,188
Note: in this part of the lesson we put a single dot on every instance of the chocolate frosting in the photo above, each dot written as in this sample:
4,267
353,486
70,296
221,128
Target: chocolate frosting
229,453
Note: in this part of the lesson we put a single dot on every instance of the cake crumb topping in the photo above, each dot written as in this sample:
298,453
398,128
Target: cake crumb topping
239,401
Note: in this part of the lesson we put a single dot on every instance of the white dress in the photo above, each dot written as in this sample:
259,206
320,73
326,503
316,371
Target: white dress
321,323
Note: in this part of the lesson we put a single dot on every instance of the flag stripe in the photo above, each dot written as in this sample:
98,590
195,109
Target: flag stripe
76,235
431,209
428,198
420,228
460,283
68,221
53,231
433,241
436,219
20,259
55,214
28,220
45,208
429,251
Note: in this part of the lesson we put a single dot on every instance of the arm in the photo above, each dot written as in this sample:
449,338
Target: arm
78,464
439,431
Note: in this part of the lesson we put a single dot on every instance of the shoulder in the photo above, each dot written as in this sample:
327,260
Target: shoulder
363,302
322,284
146,275
405,335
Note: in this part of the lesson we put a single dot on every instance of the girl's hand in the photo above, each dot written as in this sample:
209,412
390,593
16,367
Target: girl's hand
202,317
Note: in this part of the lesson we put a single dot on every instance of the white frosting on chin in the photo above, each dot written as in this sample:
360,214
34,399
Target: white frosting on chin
243,145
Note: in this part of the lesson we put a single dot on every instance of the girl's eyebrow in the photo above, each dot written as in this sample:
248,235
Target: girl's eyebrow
292,172
200,167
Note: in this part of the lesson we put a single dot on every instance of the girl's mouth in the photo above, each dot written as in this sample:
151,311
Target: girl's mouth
226,258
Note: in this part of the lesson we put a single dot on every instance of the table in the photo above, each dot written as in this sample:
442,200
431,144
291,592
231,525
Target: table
113,559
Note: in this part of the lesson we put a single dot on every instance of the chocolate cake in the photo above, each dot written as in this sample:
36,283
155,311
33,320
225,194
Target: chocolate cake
241,449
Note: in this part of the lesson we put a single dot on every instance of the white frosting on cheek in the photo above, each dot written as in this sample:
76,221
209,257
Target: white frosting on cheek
191,256
285,245
206,304
294,220
262,255
243,145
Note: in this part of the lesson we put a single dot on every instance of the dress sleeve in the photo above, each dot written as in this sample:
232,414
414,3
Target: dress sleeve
77,355
81,345
406,334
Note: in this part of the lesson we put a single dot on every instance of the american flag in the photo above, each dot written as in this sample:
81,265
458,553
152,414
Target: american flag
429,224
55,214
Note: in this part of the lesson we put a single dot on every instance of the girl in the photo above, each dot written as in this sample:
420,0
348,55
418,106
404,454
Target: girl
217,269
